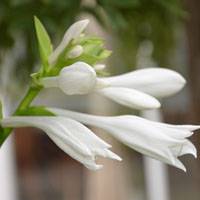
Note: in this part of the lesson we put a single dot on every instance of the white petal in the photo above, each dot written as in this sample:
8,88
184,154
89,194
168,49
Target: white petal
158,82
72,33
173,131
78,78
107,154
180,165
110,154
94,167
178,131
185,127
130,97
84,134
94,143
87,161
188,148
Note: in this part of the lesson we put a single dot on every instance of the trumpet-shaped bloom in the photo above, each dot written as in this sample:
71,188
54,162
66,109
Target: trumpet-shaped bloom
158,82
78,78
72,32
164,142
71,136
131,89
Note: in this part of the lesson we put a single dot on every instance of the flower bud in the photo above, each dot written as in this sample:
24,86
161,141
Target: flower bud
79,78
75,52
99,67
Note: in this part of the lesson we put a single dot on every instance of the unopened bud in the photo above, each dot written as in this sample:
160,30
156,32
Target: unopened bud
75,52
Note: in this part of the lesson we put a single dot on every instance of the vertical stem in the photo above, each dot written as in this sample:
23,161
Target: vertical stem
26,101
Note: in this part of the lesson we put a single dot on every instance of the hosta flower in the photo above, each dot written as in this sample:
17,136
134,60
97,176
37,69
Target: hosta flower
164,142
72,32
79,78
71,136
132,89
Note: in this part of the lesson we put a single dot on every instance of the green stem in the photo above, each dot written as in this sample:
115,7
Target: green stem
26,101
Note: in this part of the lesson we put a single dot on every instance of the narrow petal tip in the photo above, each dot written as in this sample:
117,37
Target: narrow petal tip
188,148
93,167
180,165
112,155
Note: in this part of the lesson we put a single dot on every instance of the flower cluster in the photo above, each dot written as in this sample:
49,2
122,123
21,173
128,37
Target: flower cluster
73,67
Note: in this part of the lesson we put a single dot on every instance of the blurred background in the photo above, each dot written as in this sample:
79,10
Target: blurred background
141,33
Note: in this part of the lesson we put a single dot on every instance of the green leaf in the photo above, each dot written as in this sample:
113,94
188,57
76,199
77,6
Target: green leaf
35,111
45,46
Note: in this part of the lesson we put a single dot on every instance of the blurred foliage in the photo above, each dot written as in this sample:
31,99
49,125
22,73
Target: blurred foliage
16,22
128,21
133,21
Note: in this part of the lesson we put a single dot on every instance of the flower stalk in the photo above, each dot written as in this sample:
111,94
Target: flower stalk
24,104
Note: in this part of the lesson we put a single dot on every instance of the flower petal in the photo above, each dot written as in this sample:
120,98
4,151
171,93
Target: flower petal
87,161
179,165
130,97
186,148
158,82
78,78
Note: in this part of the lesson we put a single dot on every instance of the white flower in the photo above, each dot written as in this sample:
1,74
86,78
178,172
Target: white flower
161,141
132,89
78,78
72,32
71,136
158,82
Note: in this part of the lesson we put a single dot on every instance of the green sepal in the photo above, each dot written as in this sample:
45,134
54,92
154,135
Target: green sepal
93,52
94,49
45,46
35,111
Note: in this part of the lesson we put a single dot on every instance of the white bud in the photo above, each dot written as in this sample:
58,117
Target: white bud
79,78
75,52
99,67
